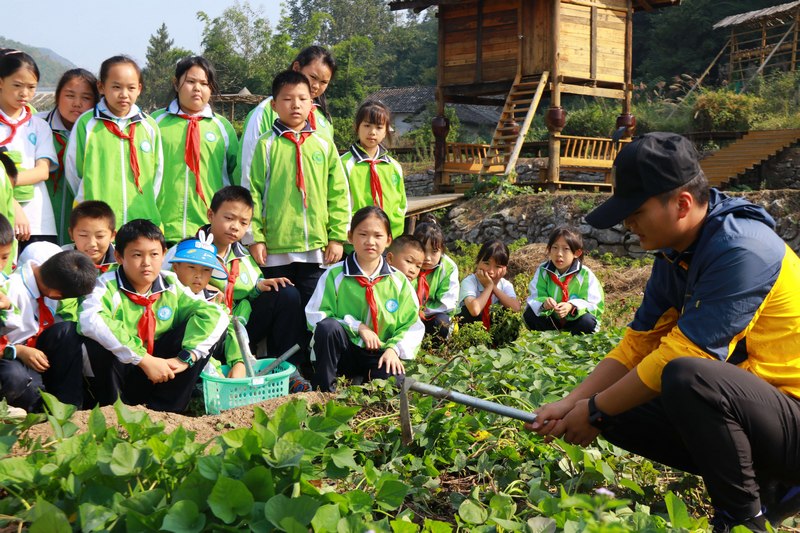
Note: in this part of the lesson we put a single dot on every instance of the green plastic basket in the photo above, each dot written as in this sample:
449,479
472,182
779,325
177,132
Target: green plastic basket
225,393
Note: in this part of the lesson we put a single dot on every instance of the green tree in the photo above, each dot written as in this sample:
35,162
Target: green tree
159,71
242,48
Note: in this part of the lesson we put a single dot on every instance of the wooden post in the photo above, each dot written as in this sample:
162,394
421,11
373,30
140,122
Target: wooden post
794,40
439,124
556,117
733,49
626,119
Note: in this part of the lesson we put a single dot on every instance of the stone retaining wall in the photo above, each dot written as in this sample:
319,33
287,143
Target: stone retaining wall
534,216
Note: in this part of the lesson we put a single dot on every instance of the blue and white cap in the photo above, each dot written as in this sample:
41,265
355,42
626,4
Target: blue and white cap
201,253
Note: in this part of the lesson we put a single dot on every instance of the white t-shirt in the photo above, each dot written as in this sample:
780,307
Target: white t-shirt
471,287
34,141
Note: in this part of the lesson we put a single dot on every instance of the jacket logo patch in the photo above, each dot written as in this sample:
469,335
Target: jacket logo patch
210,137
244,277
164,313
392,305
32,138
145,146
318,157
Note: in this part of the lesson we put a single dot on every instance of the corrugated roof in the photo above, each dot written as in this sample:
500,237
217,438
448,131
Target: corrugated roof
405,99
775,15
413,100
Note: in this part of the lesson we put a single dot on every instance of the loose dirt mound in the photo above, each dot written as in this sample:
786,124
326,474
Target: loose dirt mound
205,428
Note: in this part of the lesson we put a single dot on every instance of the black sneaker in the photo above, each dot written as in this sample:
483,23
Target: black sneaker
724,523
786,503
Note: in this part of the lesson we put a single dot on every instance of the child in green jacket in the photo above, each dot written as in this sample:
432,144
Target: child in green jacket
300,193
364,314
269,308
375,178
564,293
199,147
114,151
437,285
146,335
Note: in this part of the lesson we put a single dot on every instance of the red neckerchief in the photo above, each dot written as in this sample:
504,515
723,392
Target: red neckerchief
375,183
486,316
299,178
26,117
62,146
373,305
564,285
133,156
46,320
147,323
312,120
103,268
233,275
191,154
423,290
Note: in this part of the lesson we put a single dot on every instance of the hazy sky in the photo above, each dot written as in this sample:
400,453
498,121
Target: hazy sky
87,32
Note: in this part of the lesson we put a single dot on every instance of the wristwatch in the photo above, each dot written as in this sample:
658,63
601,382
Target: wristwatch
597,418
185,356
10,352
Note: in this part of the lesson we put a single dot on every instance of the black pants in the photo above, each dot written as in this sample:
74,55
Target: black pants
275,316
113,379
303,275
438,325
21,386
584,324
723,423
337,356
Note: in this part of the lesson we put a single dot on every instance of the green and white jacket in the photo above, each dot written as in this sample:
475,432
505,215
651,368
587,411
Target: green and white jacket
338,295
444,288
280,218
61,195
585,291
390,173
181,207
258,122
98,165
111,318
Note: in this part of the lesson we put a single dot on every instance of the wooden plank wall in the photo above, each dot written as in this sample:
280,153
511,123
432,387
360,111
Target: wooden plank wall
480,41
593,41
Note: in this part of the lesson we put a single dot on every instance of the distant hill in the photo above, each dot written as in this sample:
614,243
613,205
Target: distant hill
51,65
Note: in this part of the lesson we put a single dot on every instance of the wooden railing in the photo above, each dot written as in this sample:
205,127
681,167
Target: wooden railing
468,158
588,152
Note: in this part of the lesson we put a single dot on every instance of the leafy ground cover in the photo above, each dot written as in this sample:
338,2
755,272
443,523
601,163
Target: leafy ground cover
340,465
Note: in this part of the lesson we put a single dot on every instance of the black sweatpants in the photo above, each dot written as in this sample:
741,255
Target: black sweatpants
337,356
113,379
305,277
21,386
723,423
275,317
438,325
584,324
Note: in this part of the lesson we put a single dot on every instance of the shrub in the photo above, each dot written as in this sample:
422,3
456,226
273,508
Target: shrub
593,120
725,110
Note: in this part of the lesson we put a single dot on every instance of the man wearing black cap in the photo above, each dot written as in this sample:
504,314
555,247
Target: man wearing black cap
723,290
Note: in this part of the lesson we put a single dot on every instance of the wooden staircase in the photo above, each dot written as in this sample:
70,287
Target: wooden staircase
515,121
744,154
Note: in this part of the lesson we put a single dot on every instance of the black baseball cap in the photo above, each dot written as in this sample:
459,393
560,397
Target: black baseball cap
649,165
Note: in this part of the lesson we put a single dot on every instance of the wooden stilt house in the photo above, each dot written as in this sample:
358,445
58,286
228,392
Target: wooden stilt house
762,39
522,49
